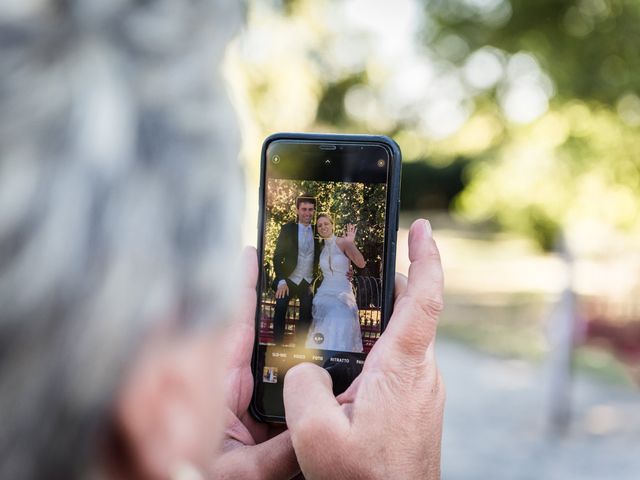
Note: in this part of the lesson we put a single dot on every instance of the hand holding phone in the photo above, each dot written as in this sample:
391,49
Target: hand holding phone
388,424
250,449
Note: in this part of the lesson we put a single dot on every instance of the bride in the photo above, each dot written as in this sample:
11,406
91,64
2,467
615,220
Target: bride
336,324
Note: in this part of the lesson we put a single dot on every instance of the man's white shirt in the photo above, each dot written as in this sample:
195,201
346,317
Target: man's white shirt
304,267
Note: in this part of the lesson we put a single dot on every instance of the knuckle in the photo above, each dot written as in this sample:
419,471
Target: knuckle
432,306
434,252
412,340
429,306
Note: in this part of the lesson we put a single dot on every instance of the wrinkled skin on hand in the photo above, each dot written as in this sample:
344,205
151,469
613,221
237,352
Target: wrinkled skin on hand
388,424
250,450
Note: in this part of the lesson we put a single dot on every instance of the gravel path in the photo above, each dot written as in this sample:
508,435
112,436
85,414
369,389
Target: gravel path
495,423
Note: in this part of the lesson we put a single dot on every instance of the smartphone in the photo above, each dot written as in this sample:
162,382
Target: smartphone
327,232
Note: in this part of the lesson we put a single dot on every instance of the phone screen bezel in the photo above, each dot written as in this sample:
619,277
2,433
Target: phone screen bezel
391,224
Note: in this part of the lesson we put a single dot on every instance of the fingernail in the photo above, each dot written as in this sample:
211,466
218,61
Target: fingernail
427,228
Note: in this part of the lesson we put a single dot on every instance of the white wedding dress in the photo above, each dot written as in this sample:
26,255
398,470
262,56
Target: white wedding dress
336,324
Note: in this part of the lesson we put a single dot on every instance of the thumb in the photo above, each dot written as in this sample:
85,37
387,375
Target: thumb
413,324
309,401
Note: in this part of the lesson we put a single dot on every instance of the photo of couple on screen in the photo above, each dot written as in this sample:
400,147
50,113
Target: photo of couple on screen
323,277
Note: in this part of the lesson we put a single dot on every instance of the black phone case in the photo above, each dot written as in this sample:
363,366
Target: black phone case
393,203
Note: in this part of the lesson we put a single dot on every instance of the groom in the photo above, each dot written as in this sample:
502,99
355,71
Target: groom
295,262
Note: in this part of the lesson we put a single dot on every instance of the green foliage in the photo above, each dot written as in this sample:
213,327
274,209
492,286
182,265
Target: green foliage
589,47
575,160
356,203
331,104
579,162
572,166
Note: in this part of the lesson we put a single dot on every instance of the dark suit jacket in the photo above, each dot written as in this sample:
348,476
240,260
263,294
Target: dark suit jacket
285,258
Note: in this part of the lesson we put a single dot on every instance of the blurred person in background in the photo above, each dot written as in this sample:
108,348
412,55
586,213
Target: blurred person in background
120,207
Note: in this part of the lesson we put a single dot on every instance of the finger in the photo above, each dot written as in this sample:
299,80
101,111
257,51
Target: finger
400,285
273,459
249,264
413,324
309,404
242,333
433,374
250,267
259,431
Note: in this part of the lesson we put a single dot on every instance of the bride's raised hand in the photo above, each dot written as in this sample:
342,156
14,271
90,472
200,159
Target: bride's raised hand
347,244
350,234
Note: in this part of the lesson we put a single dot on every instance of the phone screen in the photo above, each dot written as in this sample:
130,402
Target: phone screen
324,250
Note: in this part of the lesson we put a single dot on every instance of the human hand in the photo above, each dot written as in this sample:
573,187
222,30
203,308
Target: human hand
388,424
349,274
350,233
250,449
282,291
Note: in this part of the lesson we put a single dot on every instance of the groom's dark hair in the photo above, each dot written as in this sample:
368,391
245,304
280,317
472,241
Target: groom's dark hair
305,199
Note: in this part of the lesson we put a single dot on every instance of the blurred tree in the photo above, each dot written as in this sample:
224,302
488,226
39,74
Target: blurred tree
589,47
540,97
429,187
580,161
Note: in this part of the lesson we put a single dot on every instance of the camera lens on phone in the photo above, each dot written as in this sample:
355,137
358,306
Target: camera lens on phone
275,159
381,163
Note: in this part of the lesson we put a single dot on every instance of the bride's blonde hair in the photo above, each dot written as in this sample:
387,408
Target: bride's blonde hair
325,215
